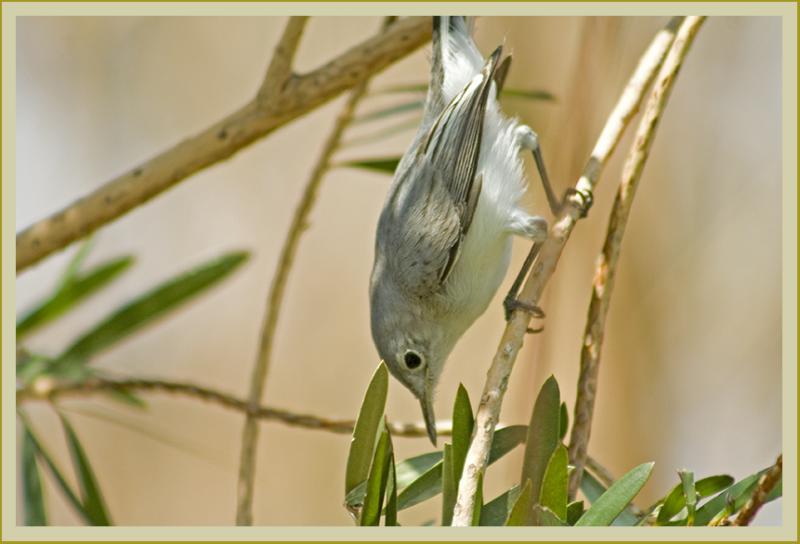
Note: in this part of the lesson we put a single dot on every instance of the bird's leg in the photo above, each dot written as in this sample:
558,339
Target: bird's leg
528,139
535,229
511,302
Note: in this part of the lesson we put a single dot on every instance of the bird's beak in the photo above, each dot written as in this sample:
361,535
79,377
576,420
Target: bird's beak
430,419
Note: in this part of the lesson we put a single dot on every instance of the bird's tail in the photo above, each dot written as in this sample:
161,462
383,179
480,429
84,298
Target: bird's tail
456,59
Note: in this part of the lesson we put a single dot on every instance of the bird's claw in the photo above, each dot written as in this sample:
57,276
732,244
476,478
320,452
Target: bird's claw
585,197
512,303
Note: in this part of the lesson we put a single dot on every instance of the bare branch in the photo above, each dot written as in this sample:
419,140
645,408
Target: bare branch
244,515
220,141
511,342
606,267
280,67
766,483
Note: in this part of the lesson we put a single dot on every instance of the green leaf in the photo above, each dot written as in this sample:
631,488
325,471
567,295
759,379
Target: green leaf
366,429
153,304
553,494
518,515
70,293
405,107
543,436
414,467
449,485
564,421
532,94
93,501
495,512
505,440
545,517
423,488
385,165
476,512
574,512
376,482
126,396
391,491
689,494
463,422
75,264
429,483
593,490
739,493
57,474
674,502
378,135
32,492
611,504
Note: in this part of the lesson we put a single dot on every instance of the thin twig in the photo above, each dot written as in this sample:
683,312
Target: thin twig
497,378
244,509
280,66
766,483
48,390
256,119
606,267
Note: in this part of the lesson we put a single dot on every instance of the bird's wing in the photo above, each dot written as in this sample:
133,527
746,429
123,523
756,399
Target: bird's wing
434,200
453,143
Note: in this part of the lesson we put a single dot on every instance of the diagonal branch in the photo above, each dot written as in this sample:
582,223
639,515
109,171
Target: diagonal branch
511,342
270,110
280,67
606,267
766,483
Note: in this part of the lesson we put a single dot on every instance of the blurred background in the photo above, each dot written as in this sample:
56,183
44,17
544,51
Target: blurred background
690,373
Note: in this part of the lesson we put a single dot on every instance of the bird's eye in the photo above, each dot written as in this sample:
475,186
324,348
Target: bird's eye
412,360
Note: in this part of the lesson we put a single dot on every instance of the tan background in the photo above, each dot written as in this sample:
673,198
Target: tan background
691,371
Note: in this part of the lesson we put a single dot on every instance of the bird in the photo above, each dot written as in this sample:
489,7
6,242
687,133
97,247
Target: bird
444,235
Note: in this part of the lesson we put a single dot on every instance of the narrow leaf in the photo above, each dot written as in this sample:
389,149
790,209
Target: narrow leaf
366,429
528,94
429,483
414,467
522,506
376,482
574,512
423,488
76,263
385,165
57,474
674,502
689,494
381,134
543,436
738,494
32,492
463,422
153,304
93,501
593,490
390,111
71,293
545,517
611,504
553,494
391,491
495,512
449,484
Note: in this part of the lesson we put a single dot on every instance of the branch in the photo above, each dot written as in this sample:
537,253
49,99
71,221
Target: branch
766,483
280,67
606,267
247,461
275,106
511,342
45,389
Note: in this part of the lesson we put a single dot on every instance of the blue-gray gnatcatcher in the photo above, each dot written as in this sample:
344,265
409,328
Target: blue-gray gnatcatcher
443,242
